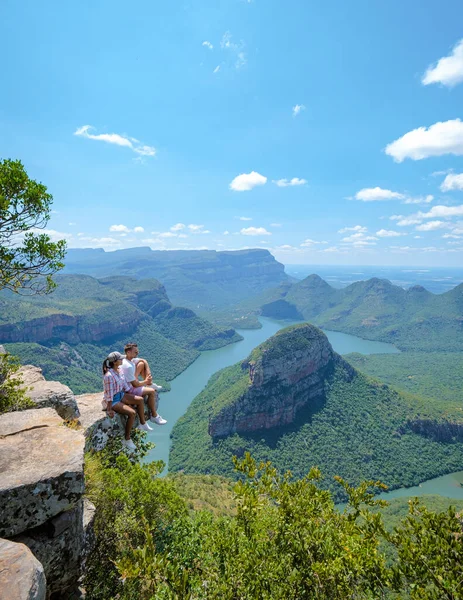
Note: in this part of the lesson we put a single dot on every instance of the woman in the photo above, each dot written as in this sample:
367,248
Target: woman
116,398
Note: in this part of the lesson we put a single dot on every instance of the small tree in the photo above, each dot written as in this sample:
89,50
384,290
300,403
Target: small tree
28,258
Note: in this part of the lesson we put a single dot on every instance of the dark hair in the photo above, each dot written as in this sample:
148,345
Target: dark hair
130,345
107,364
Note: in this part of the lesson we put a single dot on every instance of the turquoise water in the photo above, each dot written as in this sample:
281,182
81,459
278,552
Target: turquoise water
192,381
450,486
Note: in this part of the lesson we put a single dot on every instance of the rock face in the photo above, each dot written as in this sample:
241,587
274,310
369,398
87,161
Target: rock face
287,374
49,393
41,468
71,329
443,431
21,575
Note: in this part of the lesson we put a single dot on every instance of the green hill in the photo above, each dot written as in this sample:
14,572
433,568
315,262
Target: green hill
69,333
344,422
413,319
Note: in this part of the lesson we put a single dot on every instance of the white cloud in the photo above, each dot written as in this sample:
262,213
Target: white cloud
244,218
138,230
377,193
121,228
116,139
309,242
448,70
208,45
357,228
72,224
290,182
275,224
54,235
431,226
383,233
358,237
178,227
331,249
226,232
254,231
443,212
237,50
419,199
168,234
439,139
418,237
452,236
452,182
297,109
405,221
247,181
197,229
217,69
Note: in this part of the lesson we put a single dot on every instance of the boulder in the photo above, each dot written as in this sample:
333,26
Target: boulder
22,576
49,393
41,469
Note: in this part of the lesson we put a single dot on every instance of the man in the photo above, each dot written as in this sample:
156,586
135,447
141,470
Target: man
132,368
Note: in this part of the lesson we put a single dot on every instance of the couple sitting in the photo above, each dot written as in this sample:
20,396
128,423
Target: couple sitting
124,392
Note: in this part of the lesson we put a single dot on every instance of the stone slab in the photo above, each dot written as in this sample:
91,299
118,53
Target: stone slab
41,469
22,576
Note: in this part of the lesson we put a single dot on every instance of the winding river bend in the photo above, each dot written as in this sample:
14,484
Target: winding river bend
191,382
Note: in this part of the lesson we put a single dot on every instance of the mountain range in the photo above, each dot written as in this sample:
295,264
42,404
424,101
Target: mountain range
203,280
411,319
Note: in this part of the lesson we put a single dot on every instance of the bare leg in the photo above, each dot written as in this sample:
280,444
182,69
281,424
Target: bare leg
152,400
127,411
138,403
142,369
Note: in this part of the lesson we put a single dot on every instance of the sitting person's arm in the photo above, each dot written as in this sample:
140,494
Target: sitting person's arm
108,393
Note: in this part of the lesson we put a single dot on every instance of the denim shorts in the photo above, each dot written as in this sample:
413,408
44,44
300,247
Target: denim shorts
117,397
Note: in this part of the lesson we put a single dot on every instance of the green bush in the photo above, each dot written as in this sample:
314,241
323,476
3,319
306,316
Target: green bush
12,393
287,540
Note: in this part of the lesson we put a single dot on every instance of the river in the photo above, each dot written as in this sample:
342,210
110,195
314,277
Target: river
192,381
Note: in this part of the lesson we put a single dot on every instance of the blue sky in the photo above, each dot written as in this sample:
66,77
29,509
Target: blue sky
326,131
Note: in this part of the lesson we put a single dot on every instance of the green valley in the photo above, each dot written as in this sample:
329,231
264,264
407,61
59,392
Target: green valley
69,332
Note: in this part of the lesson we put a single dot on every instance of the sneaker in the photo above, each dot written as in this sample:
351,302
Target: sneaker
129,444
158,420
144,427
156,387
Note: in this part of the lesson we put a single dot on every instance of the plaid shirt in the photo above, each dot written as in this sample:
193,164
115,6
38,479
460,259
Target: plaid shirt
114,383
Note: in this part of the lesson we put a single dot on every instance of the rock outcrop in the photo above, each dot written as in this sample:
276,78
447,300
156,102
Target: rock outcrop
49,393
287,373
41,467
439,431
21,575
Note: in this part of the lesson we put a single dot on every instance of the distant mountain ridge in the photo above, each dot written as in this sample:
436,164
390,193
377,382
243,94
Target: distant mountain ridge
69,332
412,319
198,279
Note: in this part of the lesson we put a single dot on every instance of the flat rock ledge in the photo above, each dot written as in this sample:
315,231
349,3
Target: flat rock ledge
49,393
98,427
21,575
41,469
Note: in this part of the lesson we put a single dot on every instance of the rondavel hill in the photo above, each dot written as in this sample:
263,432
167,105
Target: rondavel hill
69,332
297,403
413,319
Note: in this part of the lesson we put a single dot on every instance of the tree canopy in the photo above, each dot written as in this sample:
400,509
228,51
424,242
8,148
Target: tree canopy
28,256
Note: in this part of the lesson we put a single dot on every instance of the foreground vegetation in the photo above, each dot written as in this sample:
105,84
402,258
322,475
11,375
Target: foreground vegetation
286,540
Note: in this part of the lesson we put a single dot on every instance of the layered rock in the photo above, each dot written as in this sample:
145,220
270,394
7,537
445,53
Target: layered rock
49,393
22,576
91,328
287,373
41,468
439,431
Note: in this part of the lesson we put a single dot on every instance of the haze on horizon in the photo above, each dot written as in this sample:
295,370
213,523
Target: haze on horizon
329,134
